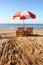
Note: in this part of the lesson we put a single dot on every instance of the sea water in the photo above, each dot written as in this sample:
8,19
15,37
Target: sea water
15,26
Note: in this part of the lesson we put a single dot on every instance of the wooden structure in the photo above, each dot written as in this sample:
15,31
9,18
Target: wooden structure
29,31
20,32
23,32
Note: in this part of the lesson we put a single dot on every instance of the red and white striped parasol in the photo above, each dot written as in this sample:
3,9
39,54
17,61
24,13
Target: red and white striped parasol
23,15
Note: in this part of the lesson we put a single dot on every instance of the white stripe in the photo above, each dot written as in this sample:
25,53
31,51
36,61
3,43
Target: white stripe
24,13
17,18
28,17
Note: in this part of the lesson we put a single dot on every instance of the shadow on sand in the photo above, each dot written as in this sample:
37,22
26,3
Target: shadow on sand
34,35
4,37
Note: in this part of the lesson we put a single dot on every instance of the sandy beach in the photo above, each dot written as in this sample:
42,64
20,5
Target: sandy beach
13,32
21,50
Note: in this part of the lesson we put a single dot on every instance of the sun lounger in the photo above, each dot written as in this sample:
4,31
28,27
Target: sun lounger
20,32
29,31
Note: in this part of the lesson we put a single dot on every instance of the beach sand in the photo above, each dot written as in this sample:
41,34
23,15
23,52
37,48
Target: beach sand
21,50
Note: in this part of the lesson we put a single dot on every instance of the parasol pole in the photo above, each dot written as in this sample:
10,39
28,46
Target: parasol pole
23,24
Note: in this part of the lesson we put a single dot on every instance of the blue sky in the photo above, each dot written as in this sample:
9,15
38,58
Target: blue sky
9,7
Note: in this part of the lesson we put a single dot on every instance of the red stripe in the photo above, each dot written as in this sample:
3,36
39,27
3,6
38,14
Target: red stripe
17,15
32,15
23,17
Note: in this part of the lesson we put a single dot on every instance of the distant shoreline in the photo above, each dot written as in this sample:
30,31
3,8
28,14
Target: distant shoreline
15,26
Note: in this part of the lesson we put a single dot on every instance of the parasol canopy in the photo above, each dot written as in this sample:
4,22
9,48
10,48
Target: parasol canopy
22,15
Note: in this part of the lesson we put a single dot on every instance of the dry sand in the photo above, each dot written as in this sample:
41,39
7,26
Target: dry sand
21,50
